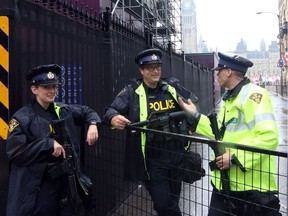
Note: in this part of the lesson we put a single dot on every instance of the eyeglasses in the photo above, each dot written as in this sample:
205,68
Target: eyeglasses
152,68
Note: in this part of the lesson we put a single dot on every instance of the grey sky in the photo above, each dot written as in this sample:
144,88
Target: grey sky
222,23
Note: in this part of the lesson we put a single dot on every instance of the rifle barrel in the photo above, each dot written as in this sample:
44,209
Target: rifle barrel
178,114
173,115
139,124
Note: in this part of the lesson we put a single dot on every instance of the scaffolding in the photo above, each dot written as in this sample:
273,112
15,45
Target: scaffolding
161,18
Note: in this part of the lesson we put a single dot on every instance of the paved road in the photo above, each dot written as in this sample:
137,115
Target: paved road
280,106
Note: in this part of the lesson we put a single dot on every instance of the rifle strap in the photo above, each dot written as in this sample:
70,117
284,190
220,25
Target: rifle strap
63,202
223,126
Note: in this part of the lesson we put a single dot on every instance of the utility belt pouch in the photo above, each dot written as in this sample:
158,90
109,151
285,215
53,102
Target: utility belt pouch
191,167
55,171
264,201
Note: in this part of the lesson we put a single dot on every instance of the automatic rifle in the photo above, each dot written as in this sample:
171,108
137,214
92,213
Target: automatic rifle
220,150
160,120
69,168
191,163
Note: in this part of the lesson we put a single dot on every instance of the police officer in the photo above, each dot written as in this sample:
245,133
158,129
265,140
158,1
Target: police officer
31,147
150,158
246,117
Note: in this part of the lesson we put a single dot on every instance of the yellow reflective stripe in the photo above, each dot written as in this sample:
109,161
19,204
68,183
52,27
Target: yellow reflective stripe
260,118
250,125
172,91
142,102
243,93
143,114
57,110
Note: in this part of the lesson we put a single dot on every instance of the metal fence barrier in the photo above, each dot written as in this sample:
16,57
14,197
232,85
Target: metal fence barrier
98,56
97,53
277,89
133,199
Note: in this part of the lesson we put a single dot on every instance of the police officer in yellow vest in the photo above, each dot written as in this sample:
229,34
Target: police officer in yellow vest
151,159
246,117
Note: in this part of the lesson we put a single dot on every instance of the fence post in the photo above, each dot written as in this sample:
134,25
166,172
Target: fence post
107,19
148,38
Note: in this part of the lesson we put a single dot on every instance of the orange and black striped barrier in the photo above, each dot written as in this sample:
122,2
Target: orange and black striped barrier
4,74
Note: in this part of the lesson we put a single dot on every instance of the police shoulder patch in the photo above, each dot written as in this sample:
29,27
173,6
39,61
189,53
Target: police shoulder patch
13,124
256,97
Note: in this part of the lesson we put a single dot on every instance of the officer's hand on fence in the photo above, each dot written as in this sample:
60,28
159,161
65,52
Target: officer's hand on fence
120,122
224,161
58,150
188,107
92,134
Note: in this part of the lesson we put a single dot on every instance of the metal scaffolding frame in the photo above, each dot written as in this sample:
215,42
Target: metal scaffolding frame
161,18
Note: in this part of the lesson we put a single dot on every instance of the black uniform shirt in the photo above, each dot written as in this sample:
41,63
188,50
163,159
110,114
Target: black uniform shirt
48,114
160,100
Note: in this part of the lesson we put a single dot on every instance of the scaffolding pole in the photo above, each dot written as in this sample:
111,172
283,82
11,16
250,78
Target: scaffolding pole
162,18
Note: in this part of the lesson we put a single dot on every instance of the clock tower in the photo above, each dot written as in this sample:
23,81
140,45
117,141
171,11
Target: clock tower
189,28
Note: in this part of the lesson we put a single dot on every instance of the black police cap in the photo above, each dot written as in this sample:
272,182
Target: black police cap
44,75
149,56
234,62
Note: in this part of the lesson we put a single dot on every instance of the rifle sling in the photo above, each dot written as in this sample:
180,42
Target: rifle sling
223,126
224,174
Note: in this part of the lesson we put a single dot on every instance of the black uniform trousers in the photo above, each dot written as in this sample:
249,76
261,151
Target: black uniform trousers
247,203
51,192
164,191
163,186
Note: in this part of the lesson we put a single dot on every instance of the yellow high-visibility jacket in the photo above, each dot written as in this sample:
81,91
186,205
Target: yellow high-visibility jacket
249,120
